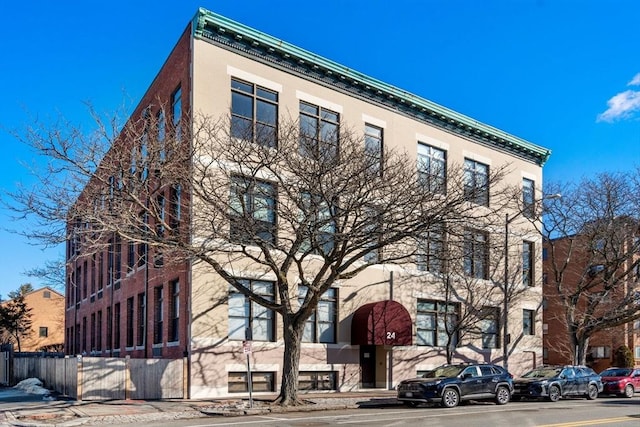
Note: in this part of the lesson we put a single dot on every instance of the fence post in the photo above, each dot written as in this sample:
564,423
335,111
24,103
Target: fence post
127,377
185,378
79,378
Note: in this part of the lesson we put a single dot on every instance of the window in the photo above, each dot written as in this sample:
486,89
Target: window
432,321
176,112
317,380
321,326
528,322
93,276
476,254
78,282
637,352
254,113
130,322
85,276
489,327
84,333
46,294
432,168
100,271
372,236
249,320
430,251
174,311
99,331
260,381
175,197
601,352
117,258
373,148
158,315
161,131
476,182
110,263
528,198
43,332
143,247
160,212
109,329
253,214
319,130
320,225
116,327
141,320
527,264
93,331
144,148
131,256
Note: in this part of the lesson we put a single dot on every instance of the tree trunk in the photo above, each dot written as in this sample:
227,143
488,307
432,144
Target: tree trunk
579,347
450,350
581,351
291,362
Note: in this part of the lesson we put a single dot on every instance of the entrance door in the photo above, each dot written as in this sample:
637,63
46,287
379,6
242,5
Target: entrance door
368,366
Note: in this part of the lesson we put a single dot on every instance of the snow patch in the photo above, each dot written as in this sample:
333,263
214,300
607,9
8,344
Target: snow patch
33,386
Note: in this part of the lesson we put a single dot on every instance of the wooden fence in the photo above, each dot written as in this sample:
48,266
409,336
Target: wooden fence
102,378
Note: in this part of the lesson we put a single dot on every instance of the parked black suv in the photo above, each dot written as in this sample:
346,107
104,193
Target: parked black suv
450,384
554,382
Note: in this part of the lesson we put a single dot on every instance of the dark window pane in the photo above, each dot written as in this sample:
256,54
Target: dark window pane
244,87
267,94
241,105
308,108
266,113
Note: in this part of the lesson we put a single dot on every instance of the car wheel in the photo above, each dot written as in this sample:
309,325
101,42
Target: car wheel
450,397
592,392
410,404
628,390
502,395
554,393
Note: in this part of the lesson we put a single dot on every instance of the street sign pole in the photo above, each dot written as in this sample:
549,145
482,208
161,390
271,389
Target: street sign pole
246,347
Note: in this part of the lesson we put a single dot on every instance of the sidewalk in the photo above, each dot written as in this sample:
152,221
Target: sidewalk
73,413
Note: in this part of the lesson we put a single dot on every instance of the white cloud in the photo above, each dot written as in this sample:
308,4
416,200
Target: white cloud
622,105
635,81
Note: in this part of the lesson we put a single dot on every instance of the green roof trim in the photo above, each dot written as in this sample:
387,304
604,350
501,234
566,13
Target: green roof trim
210,26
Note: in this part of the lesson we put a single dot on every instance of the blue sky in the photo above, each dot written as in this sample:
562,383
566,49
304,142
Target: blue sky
564,74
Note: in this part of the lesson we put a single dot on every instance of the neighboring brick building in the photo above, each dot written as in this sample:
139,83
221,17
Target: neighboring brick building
603,344
47,321
118,307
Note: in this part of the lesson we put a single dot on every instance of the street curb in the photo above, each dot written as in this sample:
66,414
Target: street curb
193,413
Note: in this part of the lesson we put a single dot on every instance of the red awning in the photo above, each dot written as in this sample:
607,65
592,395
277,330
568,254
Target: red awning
381,323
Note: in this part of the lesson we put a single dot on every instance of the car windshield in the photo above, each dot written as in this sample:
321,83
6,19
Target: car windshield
615,372
543,373
444,372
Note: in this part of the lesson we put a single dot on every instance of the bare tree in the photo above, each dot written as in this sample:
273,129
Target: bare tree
591,236
308,209
52,273
472,286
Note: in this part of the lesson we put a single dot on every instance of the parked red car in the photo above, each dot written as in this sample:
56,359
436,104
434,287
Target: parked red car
621,381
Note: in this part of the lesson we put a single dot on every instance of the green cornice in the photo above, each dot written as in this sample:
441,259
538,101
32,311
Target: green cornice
250,42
